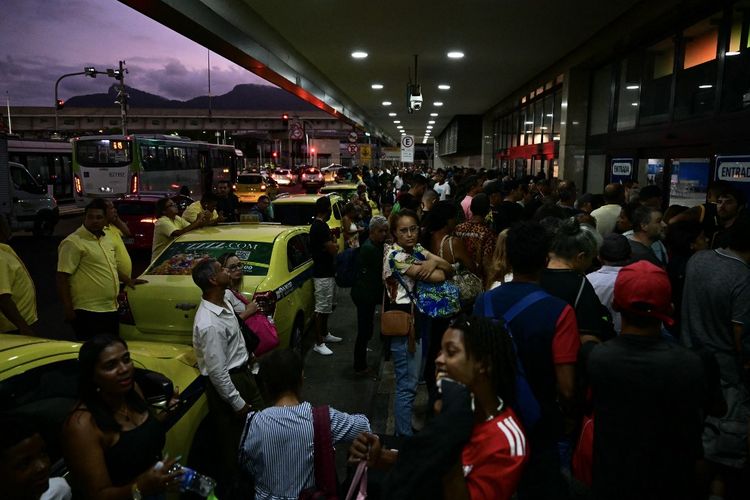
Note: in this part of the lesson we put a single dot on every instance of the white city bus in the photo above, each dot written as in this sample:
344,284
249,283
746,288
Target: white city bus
115,165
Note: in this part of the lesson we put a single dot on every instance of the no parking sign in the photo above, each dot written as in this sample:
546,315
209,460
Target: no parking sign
407,149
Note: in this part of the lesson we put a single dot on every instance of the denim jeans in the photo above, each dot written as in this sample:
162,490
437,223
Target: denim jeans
406,367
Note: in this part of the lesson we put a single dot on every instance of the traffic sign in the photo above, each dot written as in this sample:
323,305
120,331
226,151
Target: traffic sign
407,148
353,149
353,136
296,132
365,152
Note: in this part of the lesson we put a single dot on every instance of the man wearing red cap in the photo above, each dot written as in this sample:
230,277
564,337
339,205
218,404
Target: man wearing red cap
649,395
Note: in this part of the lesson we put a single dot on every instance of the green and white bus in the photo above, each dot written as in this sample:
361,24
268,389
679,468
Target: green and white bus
109,166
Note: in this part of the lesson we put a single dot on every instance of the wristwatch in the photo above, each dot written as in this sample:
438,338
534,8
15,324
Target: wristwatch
135,492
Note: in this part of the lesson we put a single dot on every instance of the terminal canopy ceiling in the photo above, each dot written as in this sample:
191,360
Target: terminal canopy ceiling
306,47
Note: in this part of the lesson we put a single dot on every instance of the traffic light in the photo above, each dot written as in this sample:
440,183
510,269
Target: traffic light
285,120
312,150
59,104
274,154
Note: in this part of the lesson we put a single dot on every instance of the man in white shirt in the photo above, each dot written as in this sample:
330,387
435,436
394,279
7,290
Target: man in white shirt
606,215
224,360
613,254
441,187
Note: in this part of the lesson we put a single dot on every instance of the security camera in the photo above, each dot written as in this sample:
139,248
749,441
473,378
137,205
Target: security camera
414,94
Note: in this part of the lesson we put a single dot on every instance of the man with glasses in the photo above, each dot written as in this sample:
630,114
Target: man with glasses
170,225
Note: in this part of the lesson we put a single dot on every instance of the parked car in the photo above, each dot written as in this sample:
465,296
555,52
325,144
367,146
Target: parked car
276,263
139,213
39,382
311,178
299,209
283,177
329,172
250,187
347,191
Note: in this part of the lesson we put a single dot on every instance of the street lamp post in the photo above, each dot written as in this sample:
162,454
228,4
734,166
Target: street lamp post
88,71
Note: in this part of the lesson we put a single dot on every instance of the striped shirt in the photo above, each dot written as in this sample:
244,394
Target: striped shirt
277,448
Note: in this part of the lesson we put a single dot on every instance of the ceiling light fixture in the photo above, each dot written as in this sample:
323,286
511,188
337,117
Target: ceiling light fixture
376,86
444,86
455,54
431,122
359,54
634,104
392,114
528,123
705,86
433,114
633,87
732,53
397,121
437,103
399,126
387,103
429,127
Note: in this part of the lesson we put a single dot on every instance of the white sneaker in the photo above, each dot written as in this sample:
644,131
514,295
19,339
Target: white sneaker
322,349
331,338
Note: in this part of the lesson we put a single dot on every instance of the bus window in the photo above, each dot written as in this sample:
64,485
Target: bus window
91,153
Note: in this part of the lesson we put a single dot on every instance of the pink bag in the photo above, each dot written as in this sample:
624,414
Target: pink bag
358,488
266,332
263,329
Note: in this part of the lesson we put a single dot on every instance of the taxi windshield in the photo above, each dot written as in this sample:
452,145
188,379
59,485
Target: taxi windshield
180,257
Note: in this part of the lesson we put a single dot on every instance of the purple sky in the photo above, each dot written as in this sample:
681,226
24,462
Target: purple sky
40,40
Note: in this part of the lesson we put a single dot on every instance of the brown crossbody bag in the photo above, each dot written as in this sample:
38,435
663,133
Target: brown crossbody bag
397,323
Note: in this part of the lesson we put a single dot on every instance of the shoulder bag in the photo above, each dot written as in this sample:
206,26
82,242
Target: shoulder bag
263,334
326,487
395,322
469,285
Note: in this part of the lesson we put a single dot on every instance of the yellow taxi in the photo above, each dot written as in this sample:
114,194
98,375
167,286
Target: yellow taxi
348,191
249,187
299,209
39,381
277,274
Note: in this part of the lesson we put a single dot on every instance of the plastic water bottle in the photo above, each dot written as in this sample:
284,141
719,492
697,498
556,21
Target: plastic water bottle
193,481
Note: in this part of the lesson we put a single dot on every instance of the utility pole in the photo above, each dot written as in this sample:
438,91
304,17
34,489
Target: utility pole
123,98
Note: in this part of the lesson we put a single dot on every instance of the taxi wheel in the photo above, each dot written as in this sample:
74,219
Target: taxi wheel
295,338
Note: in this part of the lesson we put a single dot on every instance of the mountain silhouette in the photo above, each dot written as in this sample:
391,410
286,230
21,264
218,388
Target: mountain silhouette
244,96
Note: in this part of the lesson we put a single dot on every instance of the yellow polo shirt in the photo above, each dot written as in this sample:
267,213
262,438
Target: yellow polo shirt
16,281
124,264
163,230
192,211
91,263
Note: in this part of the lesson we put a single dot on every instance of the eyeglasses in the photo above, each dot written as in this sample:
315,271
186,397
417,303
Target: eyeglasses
407,230
233,267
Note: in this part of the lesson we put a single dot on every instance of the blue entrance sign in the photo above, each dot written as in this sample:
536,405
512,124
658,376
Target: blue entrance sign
621,170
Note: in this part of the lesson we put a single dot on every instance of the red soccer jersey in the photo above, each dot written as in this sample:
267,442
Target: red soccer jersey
494,457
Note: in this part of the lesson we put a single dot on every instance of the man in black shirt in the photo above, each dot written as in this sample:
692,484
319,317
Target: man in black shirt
650,396
323,248
227,203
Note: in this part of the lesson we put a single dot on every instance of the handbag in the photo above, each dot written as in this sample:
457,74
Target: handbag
469,285
248,335
358,488
324,455
261,327
396,323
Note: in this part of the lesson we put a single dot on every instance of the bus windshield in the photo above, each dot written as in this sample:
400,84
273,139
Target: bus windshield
103,153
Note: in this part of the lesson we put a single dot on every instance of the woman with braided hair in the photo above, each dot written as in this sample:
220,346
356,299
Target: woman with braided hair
476,428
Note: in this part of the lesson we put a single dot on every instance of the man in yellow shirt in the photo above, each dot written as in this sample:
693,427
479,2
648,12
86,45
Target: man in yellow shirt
169,225
87,277
116,228
17,293
207,203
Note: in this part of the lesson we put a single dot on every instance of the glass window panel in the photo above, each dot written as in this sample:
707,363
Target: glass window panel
629,92
600,98
736,86
696,84
557,112
538,116
656,84
701,42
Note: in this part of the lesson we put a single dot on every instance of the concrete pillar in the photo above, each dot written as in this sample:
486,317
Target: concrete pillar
573,125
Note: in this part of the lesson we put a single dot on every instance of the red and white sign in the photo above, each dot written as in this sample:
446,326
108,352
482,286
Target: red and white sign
353,149
353,136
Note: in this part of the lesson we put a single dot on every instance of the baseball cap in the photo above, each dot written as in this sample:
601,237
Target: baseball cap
615,248
644,289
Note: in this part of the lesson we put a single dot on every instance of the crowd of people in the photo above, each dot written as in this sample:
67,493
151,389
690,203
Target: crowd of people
571,346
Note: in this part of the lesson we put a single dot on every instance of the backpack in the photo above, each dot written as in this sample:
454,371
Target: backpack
346,267
527,407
